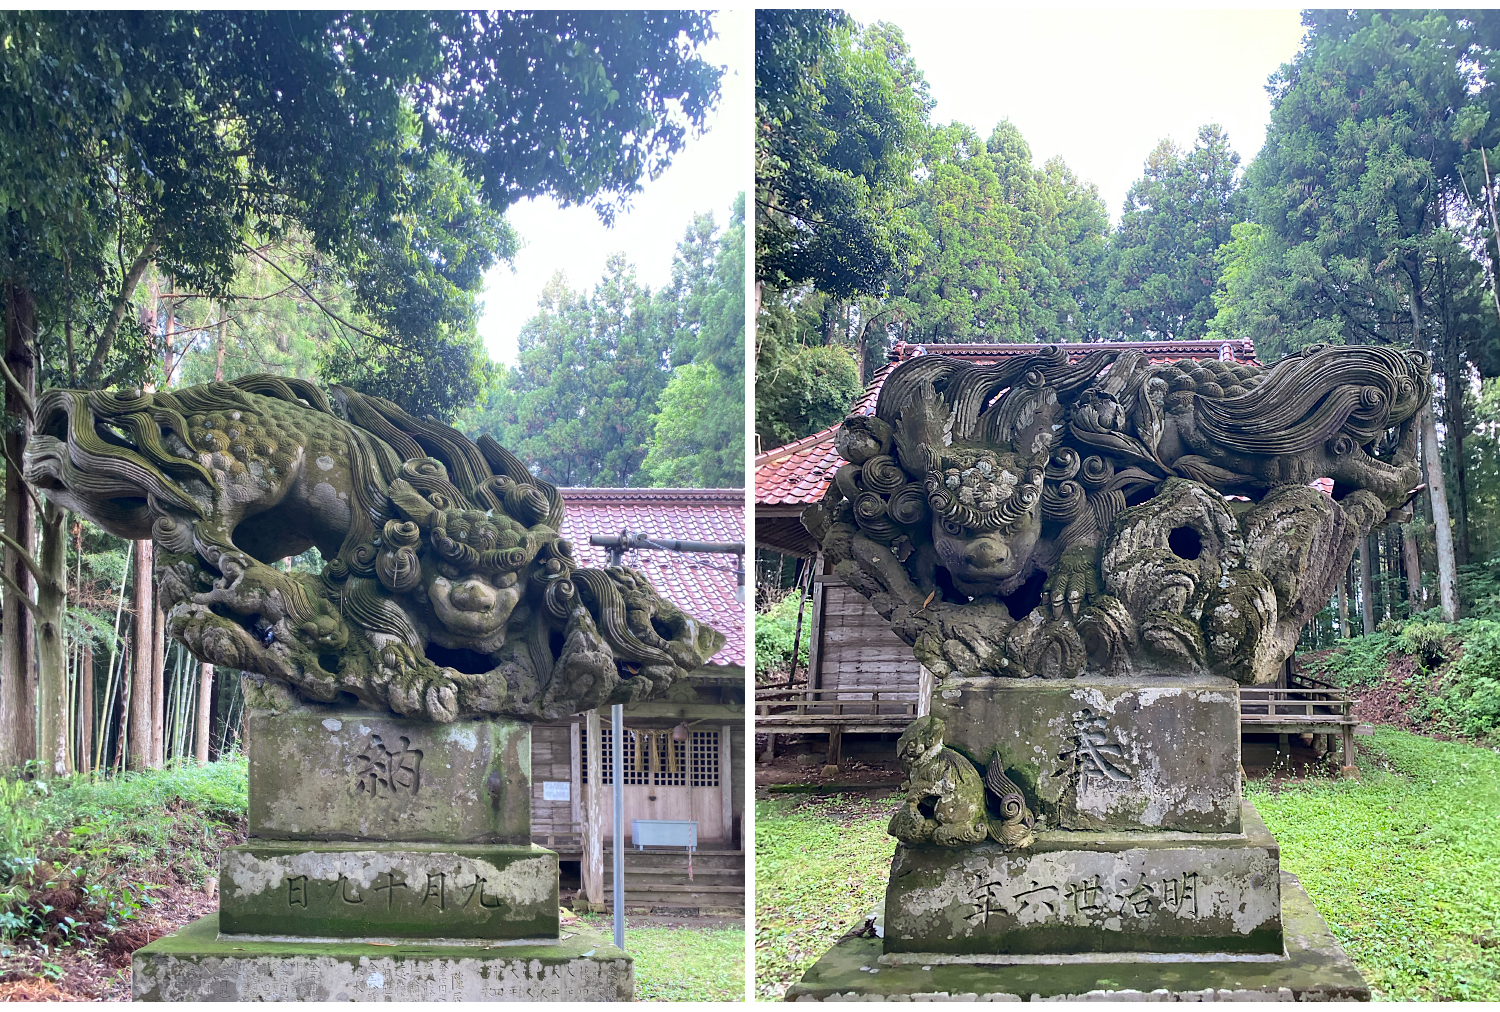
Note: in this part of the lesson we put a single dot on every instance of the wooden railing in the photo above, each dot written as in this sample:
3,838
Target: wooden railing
1287,706
834,706
555,832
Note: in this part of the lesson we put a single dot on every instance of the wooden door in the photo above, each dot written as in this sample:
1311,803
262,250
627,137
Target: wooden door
686,786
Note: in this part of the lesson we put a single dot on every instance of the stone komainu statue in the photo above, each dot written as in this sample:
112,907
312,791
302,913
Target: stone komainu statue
447,590
1116,515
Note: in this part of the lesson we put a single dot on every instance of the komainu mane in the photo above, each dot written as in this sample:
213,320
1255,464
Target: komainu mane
447,591
1116,515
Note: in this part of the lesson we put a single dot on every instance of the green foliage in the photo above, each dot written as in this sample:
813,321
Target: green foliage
1164,265
1403,863
577,405
1470,695
820,868
112,840
840,116
802,389
387,145
776,631
593,399
1010,252
1427,640
1358,661
697,439
20,829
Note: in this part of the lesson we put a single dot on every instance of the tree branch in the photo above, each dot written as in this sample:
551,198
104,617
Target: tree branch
313,298
25,556
10,461
20,391
117,313
13,591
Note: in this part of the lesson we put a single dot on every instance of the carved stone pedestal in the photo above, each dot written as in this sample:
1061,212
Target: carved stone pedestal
388,859
1147,873
1313,968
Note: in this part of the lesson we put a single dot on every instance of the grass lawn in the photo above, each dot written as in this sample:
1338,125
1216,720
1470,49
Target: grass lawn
820,866
683,964
1404,864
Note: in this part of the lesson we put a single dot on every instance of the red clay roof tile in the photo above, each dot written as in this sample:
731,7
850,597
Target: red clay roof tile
701,584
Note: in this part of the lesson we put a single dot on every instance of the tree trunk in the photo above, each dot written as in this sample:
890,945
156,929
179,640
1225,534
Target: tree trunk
223,338
142,705
1366,597
1413,567
53,749
1437,494
205,711
158,680
1455,379
17,634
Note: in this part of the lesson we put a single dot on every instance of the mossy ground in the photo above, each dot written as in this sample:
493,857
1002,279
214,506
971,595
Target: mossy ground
1403,863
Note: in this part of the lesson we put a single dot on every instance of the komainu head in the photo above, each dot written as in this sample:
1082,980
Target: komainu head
446,591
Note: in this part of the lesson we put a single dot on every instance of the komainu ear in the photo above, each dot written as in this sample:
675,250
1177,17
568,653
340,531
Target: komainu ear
924,425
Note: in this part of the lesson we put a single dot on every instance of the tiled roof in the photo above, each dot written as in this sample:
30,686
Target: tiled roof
799,472
701,584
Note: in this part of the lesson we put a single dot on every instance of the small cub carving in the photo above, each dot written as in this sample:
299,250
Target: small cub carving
945,799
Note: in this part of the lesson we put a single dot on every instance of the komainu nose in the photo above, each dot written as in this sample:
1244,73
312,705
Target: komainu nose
984,553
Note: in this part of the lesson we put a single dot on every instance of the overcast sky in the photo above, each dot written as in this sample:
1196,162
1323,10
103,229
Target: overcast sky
705,176
1100,88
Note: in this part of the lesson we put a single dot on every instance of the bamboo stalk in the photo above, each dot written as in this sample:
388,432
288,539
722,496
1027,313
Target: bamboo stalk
85,706
109,683
204,711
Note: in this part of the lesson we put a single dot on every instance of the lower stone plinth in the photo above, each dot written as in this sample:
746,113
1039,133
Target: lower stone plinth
196,963
1090,892
1312,968
409,890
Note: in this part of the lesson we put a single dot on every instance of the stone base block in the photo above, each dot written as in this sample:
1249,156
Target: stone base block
1090,892
409,890
196,963
335,773
1313,967
1147,753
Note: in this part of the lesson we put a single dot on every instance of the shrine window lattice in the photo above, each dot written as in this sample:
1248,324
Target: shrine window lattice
652,758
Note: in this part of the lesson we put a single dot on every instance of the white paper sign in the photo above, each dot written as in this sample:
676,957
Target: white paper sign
556,790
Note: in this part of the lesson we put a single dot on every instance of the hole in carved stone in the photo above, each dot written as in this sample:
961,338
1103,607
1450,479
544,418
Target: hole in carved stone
329,663
1140,495
944,581
928,807
555,642
662,629
1024,599
1185,543
470,662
